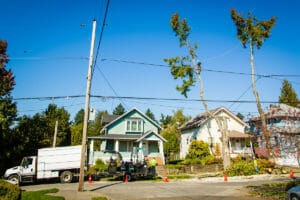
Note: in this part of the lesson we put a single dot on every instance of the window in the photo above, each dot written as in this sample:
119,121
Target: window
134,125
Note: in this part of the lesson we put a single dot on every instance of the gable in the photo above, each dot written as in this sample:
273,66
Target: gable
139,121
204,119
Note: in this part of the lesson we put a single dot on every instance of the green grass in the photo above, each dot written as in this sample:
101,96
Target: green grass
41,195
274,191
99,198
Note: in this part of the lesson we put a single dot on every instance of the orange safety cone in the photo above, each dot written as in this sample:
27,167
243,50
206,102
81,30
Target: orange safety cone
292,173
126,178
165,179
225,177
90,179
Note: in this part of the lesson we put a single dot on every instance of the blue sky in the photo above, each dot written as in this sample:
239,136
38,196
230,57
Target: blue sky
49,43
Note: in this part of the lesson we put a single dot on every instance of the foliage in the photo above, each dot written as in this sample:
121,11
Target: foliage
150,114
250,30
240,168
41,195
98,167
8,109
9,191
172,135
171,132
218,150
240,116
165,120
198,149
288,95
79,117
119,110
202,161
76,134
254,32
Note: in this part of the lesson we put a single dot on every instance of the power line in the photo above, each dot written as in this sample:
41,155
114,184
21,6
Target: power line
140,98
203,69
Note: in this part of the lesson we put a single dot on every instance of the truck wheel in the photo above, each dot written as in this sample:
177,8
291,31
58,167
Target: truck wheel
66,177
14,179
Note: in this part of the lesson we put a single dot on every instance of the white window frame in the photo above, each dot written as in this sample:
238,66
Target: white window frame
139,125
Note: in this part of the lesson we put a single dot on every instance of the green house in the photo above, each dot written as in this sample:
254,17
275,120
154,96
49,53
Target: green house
133,135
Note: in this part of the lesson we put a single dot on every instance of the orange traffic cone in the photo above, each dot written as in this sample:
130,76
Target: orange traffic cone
165,179
225,177
90,179
126,178
292,174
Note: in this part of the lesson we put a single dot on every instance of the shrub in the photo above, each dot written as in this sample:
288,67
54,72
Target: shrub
264,164
9,191
242,167
198,149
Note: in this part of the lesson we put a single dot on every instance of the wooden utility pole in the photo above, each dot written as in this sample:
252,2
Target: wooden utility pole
55,134
86,110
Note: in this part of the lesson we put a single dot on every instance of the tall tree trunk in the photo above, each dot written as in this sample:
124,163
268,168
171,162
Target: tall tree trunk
264,129
222,125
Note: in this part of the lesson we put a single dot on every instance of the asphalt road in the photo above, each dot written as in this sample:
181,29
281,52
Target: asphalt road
210,189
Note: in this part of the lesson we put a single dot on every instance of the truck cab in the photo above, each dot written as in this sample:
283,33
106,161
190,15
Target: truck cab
26,172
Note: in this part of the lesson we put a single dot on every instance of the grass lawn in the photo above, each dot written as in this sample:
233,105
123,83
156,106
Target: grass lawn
41,195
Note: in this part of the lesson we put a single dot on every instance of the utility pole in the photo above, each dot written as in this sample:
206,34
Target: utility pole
86,111
55,134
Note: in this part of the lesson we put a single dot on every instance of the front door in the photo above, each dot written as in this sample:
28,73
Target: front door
28,166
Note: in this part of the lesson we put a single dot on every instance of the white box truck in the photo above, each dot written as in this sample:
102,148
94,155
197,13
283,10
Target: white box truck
57,162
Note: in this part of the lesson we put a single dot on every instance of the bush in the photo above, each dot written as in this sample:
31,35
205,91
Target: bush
264,164
9,191
198,149
240,168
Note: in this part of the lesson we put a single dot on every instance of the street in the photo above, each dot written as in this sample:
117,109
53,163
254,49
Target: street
186,189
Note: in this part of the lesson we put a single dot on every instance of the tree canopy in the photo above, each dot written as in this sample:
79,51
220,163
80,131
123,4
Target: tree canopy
288,95
119,110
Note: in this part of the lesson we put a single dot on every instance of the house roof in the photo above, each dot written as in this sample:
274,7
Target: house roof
202,118
148,133
280,111
108,118
237,134
126,114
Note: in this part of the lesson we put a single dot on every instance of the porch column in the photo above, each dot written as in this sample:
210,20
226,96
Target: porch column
117,145
91,156
161,151
140,144
230,150
92,146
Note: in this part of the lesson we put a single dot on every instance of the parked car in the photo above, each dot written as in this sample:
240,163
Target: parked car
294,193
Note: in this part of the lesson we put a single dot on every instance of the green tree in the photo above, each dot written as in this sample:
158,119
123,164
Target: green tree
76,134
119,110
171,132
198,149
240,116
79,117
188,68
165,120
8,109
53,114
150,114
254,32
288,95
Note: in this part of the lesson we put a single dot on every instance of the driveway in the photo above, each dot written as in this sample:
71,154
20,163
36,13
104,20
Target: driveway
209,188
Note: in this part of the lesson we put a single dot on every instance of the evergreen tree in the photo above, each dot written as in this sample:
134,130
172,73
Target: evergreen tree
150,114
288,95
8,109
119,110
253,32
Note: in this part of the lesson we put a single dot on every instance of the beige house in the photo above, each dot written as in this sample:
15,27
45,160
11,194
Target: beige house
203,127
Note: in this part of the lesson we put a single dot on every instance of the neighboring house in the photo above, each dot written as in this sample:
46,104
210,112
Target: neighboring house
132,132
203,127
283,124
